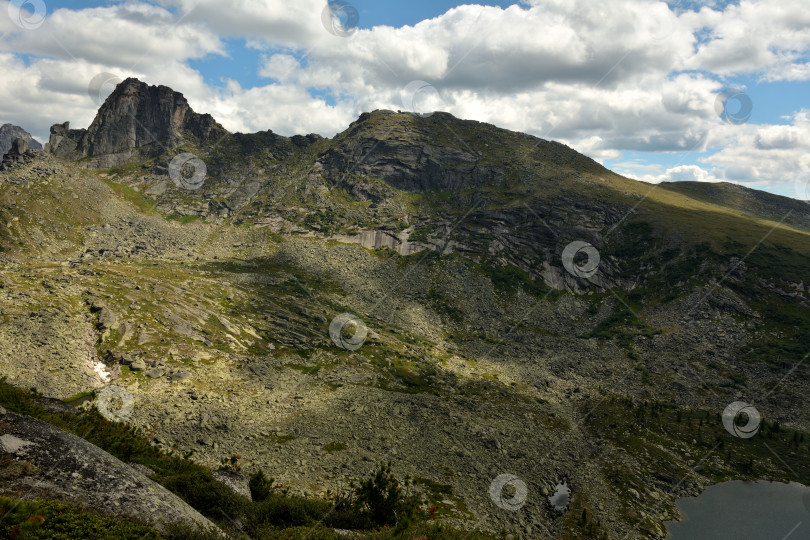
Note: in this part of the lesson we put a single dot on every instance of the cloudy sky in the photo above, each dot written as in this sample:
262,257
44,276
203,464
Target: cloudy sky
683,90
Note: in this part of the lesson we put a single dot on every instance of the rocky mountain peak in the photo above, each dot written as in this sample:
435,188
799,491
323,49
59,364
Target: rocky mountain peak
135,116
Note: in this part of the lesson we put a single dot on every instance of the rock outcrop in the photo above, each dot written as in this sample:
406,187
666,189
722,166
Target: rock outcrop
68,468
19,153
135,116
9,133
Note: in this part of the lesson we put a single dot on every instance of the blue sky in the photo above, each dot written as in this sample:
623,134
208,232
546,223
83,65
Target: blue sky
631,83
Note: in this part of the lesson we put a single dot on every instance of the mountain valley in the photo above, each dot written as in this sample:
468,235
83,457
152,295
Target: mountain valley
198,271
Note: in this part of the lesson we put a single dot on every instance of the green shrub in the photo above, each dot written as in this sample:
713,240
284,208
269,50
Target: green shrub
334,447
194,484
279,510
36,520
384,500
230,464
260,486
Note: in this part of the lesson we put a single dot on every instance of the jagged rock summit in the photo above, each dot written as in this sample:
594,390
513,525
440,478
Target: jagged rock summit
135,116
9,133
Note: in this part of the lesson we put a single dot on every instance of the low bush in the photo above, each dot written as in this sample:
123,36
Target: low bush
35,520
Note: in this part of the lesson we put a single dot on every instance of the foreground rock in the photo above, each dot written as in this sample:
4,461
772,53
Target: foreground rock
58,465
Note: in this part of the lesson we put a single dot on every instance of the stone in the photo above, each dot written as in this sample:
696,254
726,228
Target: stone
107,319
182,376
19,154
155,373
82,473
138,365
236,481
19,146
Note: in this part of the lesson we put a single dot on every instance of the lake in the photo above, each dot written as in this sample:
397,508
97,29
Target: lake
750,510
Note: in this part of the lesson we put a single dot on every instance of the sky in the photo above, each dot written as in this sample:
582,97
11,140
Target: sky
705,90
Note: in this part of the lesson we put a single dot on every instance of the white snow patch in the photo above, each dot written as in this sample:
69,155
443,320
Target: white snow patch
101,370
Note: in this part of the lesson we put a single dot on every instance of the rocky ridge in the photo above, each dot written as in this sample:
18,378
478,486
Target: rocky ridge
20,153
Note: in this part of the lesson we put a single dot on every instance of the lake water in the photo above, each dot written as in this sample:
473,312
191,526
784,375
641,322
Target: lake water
745,510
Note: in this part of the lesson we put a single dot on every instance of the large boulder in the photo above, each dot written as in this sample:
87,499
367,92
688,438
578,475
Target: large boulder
60,465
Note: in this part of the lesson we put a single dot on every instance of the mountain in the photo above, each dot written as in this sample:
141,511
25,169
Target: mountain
753,203
526,310
134,116
9,132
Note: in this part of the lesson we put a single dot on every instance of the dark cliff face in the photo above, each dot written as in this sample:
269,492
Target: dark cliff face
9,133
135,116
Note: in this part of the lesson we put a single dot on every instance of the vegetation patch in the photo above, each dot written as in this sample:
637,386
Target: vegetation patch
624,325
422,234
143,203
509,279
46,520
334,447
